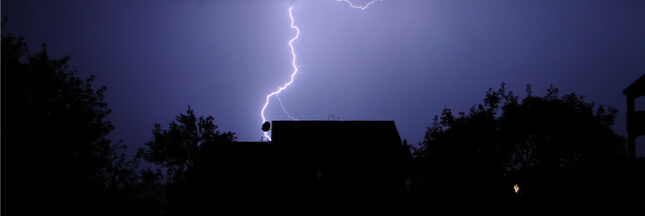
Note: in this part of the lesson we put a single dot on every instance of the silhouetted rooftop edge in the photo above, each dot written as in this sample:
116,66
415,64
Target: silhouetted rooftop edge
637,88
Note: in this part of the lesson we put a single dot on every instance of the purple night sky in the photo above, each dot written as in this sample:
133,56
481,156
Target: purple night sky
401,60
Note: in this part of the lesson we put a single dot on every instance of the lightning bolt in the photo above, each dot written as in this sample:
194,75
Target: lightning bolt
295,71
283,108
293,64
359,7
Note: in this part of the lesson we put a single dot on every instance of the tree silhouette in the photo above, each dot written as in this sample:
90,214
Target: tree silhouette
54,144
178,147
184,151
121,173
550,143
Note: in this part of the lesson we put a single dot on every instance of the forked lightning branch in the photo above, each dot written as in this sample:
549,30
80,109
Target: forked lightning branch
295,67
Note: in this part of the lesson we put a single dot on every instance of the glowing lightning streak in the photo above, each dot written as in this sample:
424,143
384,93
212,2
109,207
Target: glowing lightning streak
283,108
295,71
295,68
361,7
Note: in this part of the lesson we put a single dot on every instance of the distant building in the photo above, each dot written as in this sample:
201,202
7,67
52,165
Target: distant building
635,119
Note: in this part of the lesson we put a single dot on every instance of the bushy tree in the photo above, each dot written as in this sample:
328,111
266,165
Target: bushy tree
179,147
54,144
548,142
504,134
121,173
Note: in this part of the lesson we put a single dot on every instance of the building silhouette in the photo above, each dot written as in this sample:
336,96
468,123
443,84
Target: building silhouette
330,164
341,163
333,165
635,119
636,128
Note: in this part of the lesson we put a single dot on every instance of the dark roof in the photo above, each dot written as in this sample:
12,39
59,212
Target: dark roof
637,88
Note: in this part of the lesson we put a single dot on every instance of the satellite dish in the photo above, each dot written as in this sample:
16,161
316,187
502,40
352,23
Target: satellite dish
266,126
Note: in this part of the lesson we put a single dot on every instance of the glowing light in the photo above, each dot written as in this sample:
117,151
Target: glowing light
283,108
517,188
295,68
359,7
295,71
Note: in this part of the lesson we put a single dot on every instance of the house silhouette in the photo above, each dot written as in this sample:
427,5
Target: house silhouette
341,163
328,164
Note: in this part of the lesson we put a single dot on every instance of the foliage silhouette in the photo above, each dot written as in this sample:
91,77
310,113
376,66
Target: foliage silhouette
184,150
121,173
55,134
178,147
552,145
